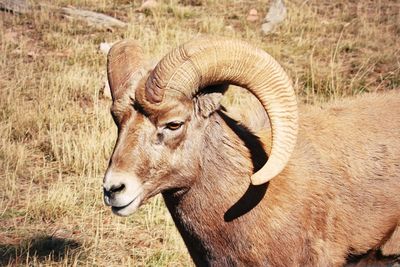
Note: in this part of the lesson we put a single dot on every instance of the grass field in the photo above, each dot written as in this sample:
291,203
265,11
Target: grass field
56,134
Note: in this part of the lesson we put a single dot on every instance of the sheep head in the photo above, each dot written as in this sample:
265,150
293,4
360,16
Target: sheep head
161,114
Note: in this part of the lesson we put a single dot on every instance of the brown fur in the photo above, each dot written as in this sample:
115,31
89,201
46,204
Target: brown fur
338,196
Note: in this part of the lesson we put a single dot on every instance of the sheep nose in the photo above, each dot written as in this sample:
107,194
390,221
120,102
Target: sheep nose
111,191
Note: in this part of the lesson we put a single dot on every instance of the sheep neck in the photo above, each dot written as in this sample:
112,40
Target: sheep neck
222,192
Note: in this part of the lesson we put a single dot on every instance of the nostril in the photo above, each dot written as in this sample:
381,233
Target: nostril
117,188
106,192
113,190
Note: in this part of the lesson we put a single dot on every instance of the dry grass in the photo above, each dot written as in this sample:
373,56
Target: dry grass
56,133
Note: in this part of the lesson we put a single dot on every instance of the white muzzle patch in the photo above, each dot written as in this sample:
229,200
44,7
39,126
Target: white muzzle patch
123,192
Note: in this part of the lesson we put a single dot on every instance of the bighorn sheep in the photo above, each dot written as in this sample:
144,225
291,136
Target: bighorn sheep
335,192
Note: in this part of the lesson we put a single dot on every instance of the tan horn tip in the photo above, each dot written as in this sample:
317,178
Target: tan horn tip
260,178
267,172
124,59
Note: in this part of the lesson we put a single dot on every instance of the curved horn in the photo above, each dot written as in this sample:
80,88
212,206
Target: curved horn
124,61
208,61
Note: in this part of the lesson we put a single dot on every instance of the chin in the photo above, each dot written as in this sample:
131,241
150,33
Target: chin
129,208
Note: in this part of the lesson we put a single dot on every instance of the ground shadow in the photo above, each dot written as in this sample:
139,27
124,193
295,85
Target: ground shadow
41,247
373,259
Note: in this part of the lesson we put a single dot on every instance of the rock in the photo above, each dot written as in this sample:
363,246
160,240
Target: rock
276,15
253,15
105,47
16,6
92,18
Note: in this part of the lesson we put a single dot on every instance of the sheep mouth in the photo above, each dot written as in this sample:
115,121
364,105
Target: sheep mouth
128,208
117,208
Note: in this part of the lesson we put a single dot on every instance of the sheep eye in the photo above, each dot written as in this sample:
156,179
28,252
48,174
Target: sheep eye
174,125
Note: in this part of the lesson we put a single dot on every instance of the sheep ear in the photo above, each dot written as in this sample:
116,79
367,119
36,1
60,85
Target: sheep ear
209,100
205,105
